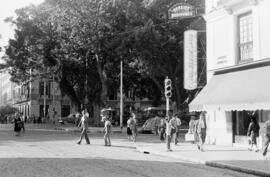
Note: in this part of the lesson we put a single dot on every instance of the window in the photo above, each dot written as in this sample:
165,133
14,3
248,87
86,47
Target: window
245,37
41,88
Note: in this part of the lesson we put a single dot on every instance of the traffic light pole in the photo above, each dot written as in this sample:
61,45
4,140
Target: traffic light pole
167,106
168,93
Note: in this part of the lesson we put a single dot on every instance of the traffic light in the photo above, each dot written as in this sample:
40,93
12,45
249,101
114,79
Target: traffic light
168,88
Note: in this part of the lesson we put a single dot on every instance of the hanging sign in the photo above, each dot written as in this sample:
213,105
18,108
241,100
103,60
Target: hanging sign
190,60
181,10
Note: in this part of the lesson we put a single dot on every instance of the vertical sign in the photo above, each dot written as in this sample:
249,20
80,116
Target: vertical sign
190,60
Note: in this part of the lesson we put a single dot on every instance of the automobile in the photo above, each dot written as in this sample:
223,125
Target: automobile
71,118
151,125
151,112
115,114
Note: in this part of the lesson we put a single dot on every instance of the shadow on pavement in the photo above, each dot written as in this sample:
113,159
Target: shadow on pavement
100,167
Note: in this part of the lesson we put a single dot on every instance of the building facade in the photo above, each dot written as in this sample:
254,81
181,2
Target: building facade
238,66
30,99
5,89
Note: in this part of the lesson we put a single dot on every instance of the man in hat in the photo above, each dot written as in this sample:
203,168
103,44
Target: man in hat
267,136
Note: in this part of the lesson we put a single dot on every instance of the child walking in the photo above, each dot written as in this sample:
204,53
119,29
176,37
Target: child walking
107,130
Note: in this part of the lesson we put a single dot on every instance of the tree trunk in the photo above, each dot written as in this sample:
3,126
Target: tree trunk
178,96
96,115
159,86
102,75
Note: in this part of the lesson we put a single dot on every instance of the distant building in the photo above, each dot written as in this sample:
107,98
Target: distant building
31,98
238,69
5,89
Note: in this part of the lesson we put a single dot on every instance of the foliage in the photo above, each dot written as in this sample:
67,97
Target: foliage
7,110
81,43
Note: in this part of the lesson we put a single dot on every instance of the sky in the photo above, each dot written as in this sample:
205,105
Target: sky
7,9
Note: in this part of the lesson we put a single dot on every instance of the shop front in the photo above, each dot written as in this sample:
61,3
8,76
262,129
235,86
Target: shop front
230,98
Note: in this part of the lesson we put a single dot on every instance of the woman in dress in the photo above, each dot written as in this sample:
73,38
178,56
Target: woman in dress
17,124
253,133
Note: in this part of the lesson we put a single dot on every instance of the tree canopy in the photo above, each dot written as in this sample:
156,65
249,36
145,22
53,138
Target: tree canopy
81,42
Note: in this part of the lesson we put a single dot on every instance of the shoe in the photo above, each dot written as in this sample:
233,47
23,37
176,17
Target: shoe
249,149
169,150
198,147
79,143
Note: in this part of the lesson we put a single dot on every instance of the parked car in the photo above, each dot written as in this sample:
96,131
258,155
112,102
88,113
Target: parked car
151,125
115,114
151,112
71,118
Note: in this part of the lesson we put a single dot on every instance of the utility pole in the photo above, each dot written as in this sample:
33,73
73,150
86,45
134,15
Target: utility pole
53,95
44,97
121,94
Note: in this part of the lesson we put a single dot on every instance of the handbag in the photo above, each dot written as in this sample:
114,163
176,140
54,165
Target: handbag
189,137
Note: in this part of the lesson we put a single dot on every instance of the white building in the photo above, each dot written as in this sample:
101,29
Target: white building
31,98
238,69
5,89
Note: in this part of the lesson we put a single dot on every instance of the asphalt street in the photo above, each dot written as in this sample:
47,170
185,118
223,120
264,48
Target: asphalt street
56,154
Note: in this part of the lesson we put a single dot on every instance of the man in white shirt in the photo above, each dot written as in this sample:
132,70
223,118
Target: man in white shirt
169,128
84,125
176,122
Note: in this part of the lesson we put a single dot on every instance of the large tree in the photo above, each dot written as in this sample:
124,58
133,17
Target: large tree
81,42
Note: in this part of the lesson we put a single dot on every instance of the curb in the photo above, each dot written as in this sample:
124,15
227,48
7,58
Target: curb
186,159
88,131
210,163
237,168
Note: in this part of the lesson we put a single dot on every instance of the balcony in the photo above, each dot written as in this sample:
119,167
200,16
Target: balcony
232,3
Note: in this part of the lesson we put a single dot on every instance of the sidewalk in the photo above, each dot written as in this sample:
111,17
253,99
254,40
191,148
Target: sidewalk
61,127
234,158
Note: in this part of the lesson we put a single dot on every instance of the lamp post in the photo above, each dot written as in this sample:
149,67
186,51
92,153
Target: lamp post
121,94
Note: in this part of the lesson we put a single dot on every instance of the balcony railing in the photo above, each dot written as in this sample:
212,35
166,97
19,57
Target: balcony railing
246,51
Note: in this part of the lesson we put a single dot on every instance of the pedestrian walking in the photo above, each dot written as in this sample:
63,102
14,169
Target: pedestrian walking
267,136
17,124
134,127
169,129
162,128
77,119
156,124
253,133
22,117
84,126
201,131
107,130
130,125
176,124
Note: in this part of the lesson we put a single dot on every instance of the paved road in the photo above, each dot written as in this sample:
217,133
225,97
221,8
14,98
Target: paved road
50,153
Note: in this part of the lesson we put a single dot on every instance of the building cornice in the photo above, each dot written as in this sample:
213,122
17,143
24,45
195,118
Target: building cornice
215,15
242,66
228,7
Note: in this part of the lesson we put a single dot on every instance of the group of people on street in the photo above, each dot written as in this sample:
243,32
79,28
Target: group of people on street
253,134
169,129
83,124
